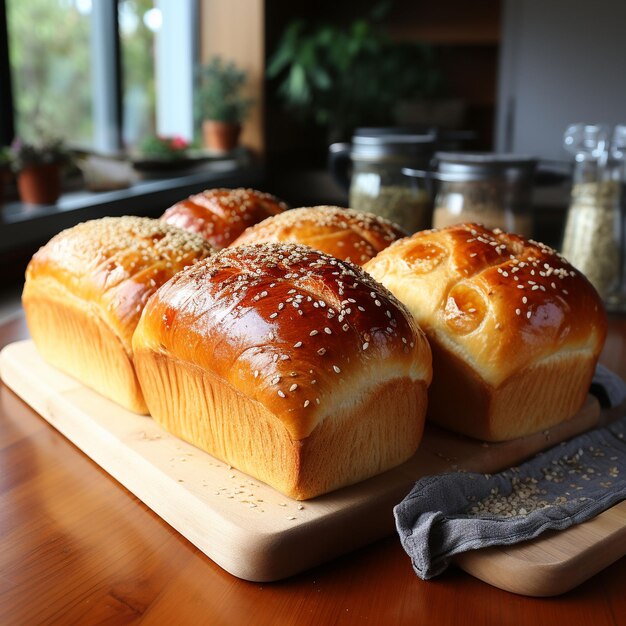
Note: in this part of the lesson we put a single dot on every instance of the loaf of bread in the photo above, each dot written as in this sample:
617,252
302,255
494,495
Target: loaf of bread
515,330
344,233
291,365
221,215
85,291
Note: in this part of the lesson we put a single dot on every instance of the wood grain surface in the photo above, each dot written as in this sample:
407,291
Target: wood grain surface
76,547
245,526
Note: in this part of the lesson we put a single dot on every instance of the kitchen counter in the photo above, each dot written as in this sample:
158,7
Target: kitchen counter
76,547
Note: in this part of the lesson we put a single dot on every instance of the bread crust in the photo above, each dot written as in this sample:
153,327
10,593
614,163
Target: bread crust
298,339
221,215
349,235
85,290
503,307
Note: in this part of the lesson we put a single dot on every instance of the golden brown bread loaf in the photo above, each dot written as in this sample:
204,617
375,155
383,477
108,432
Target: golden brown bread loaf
289,364
515,330
85,291
344,233
221,215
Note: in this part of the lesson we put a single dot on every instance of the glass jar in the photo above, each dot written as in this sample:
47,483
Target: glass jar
377,184
491,189
592,239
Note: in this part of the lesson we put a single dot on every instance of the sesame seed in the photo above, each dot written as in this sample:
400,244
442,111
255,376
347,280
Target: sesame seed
298,344
328,331
337,370
528,314
377,302
293,387
322,351
273,315
281,394
518,312
524,300
306,403
313,333
366,345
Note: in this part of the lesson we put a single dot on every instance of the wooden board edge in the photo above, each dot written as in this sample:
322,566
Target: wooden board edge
502,566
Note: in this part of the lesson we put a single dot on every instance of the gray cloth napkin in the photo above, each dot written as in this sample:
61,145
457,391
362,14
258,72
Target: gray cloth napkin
451,513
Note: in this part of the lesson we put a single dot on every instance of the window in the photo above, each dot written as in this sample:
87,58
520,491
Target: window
102,74
51,68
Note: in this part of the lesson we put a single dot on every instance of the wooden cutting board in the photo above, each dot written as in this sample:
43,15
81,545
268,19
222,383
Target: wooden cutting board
258,534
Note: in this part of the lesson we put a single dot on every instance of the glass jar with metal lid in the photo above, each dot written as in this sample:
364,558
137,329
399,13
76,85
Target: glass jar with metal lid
377,184
492,189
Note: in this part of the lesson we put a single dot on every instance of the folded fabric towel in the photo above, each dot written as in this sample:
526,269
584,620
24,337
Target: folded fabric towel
451,513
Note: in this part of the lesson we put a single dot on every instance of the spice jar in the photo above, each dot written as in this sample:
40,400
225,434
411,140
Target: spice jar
592,240
492,189
377,184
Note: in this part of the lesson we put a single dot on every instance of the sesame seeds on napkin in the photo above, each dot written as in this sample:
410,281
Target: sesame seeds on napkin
450,513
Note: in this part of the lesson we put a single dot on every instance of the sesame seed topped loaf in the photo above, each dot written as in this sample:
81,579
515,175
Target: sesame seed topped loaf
85,291
515,330
287,363
349,235
221,215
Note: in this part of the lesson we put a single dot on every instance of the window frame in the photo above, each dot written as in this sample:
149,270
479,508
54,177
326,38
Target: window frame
107,77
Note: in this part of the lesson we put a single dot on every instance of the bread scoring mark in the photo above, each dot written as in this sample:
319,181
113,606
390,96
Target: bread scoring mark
332,297
328,228
220,215
521,264
119,262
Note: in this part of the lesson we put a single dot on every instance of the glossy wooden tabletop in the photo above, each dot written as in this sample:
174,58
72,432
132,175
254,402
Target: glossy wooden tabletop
77,548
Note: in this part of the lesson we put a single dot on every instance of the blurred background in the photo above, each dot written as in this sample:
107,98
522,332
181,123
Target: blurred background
142,102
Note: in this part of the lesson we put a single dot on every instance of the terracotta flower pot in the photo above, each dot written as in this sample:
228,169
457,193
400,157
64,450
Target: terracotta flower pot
220,136
40,184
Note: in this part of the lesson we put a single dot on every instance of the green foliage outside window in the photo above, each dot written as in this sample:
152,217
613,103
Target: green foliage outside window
50,63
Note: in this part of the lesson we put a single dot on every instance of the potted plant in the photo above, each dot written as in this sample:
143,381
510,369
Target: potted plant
164,148
222,102
5,168
38,169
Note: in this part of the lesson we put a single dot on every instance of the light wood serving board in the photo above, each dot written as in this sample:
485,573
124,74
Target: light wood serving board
258,534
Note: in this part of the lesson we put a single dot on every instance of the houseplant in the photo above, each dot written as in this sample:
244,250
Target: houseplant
222,102
164,148
38,168
345,76
5,167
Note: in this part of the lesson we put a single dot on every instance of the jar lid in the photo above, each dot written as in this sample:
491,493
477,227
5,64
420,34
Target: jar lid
390,144
466,166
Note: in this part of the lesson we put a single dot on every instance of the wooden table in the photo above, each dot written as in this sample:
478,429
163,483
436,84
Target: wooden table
76,547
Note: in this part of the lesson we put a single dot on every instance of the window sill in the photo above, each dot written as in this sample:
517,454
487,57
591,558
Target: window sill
27,225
